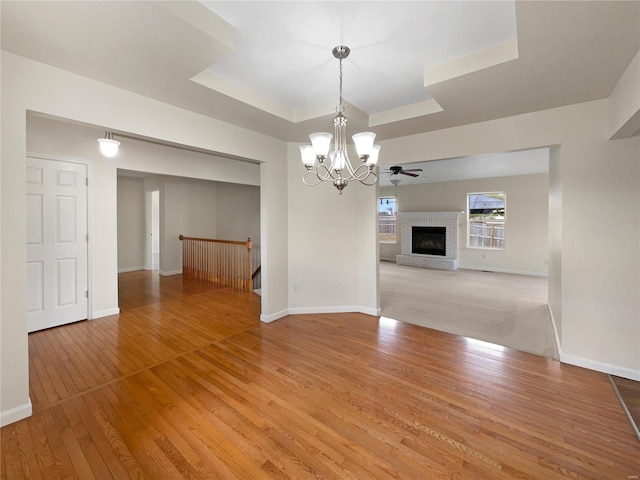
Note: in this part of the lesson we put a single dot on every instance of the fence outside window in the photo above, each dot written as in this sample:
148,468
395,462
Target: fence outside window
486,234
387,209
486,218
387,228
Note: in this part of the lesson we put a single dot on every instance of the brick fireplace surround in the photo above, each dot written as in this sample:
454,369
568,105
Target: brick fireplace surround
449,220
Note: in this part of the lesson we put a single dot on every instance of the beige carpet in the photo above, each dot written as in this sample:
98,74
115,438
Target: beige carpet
500,308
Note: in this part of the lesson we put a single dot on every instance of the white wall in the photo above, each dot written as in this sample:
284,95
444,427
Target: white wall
526,230
131,224
32,86
598,181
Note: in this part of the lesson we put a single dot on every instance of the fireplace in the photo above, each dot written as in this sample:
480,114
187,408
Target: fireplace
436,242
428,240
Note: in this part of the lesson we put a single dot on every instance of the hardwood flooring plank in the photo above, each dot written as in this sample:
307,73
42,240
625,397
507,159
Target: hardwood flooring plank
11,458
97,443
185,442
41,447
187,383
106,419
30,464
139,434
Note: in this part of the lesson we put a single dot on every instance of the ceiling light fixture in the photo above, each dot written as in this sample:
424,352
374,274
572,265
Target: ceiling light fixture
108,146
339,172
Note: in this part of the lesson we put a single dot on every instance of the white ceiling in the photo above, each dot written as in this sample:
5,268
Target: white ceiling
282,79
503,164
283,49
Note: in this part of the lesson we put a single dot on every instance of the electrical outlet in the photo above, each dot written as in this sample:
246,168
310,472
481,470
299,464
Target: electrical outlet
484,257
296,288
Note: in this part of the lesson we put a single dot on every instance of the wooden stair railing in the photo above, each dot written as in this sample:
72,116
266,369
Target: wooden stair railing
227,262
254,274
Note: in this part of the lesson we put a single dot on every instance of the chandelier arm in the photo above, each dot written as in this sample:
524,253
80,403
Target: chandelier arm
328,175
373,182
311,183
363,172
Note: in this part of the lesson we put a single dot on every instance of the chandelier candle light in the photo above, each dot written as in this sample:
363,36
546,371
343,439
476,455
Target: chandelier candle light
339,172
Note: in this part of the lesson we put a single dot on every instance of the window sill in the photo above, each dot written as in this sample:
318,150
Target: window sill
388,242
487,248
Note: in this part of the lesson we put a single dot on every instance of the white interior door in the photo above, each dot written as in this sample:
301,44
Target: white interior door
56,243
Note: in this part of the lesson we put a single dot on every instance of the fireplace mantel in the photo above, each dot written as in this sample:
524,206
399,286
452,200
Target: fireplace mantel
449,220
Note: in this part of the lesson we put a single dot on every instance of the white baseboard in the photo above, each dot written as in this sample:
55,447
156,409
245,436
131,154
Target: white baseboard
104,313
274,316
603,367
14,414
376,312
304,310
366,310
130,269
171,272
503,270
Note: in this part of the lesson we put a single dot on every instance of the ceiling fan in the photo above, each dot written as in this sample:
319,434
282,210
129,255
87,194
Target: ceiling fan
395,170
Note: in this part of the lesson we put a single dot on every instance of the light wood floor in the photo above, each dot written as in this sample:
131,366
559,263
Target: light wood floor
187,383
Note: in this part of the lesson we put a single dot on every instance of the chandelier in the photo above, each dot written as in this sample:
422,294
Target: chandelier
334,165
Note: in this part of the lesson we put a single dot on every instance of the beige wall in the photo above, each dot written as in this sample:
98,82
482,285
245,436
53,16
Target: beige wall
238,212
624,110
188,207
29,86
332,245
316,237
527,220
594,277
555,237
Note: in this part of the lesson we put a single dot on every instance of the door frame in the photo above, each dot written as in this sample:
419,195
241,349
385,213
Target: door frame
90,207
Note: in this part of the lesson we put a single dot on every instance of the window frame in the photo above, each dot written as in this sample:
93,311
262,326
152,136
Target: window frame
503,222
395,219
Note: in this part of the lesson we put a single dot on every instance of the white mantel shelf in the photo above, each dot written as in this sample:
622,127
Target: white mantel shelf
449,220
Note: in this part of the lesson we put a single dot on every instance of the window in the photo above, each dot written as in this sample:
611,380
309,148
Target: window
387,209
486,219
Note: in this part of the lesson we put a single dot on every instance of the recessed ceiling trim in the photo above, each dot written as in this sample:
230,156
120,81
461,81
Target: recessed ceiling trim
220,84
315,111
205,20
405,112
489,57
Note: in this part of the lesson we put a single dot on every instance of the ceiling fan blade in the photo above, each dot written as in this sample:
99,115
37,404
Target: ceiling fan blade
412,170
404,172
